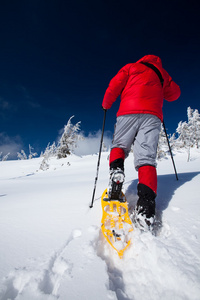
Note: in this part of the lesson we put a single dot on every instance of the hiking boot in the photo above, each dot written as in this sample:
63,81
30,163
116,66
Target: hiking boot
115,184
145,208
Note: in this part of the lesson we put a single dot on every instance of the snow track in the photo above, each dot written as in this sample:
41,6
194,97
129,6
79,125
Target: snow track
51,244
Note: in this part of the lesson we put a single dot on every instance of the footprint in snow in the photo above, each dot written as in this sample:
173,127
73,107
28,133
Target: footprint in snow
52,277
46,281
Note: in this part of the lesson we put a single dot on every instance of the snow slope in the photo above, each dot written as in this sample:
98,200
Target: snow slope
51,246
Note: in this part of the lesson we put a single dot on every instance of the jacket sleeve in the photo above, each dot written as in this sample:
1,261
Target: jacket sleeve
171,90
115,87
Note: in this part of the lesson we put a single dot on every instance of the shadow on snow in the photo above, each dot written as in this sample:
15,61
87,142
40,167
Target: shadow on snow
167,185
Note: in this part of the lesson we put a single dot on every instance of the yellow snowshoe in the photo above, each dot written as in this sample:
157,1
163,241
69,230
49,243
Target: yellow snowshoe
116,223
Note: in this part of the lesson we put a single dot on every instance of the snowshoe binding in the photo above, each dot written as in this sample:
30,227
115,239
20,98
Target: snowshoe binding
115,184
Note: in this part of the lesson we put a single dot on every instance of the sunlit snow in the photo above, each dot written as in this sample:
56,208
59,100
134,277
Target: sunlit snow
51,246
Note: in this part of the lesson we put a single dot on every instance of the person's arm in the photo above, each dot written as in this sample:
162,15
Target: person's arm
171,90
115,87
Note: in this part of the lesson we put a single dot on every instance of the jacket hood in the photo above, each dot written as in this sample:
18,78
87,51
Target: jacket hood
151,59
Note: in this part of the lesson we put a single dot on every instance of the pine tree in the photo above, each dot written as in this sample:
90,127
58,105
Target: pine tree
22,155
172,141
189,132
50,151
182,131
194,123
162,143
68,139
5,157
104,148
31,154
191,125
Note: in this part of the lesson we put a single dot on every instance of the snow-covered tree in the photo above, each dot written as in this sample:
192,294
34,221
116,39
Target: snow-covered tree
184,139
162,143
68,140
172,140
194,125
104,148
50,151
44,164
5,157
182,134
189,132
190,127
31,154
21,155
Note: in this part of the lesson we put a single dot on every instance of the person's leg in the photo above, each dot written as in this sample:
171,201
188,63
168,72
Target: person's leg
124,134
146,205
147,175
116,159
145,150
125,130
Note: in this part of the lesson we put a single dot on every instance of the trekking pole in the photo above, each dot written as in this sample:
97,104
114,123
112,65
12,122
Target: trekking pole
170,150
95,183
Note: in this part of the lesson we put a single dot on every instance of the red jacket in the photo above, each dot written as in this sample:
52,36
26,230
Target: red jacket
140,89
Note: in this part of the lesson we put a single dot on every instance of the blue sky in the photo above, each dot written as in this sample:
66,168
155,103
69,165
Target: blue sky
57,58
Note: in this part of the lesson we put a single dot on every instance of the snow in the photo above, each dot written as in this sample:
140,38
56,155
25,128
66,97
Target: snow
51,245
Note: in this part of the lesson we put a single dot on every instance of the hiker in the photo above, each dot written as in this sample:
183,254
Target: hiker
143,86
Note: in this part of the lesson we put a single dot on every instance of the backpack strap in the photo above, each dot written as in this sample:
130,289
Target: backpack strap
151,66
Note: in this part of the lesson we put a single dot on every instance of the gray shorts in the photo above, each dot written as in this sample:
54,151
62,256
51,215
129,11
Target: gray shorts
141,131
